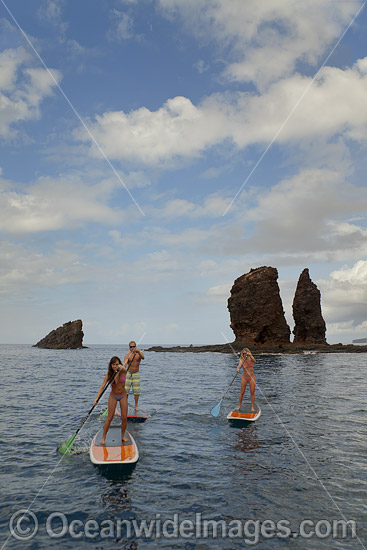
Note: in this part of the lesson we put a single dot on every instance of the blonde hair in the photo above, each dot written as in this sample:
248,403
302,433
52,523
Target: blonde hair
246,353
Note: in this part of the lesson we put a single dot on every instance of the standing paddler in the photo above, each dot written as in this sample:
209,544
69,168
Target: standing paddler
246,362
117,373
132,360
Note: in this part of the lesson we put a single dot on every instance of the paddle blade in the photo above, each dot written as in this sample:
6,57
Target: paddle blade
65,448
103,414
216,409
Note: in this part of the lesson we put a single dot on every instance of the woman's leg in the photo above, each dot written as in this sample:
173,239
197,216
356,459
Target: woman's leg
123,407
111,412
243,388
252,390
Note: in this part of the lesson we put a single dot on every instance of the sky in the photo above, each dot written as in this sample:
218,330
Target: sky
153,151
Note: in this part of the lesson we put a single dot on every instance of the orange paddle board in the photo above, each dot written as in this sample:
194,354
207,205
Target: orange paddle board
114,451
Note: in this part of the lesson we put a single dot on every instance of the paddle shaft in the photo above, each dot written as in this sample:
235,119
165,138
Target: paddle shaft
104,389
225,393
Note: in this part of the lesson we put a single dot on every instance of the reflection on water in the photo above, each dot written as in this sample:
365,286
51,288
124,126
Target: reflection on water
116,472
247,440
116,495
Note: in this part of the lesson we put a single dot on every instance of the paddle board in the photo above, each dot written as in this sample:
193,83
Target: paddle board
244,416
139,416
114,452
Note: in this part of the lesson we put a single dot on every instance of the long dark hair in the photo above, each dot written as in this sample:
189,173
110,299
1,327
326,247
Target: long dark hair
110,369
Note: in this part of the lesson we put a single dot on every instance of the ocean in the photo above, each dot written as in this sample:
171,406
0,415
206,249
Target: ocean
296,478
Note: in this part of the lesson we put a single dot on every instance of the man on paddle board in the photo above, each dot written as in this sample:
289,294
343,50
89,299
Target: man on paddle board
132,360
247,361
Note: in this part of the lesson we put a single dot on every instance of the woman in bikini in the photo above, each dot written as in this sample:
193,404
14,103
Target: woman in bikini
247,361
118,393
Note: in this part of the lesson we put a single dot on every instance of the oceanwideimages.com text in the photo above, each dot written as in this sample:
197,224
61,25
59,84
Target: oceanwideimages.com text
24,525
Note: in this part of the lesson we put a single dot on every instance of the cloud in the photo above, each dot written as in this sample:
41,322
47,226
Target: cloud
264,40
178,128
123,26
213,206
334,105
306,212
22,89
201,66
51,204
23,269
344,297
307,216
218,293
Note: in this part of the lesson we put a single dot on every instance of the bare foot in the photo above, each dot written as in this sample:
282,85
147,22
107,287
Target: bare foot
102,442
124,440
136,409
238,409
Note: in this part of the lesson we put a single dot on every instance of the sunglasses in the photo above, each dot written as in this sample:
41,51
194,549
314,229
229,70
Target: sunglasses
132,347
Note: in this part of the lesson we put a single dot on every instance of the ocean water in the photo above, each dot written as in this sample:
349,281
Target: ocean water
287,481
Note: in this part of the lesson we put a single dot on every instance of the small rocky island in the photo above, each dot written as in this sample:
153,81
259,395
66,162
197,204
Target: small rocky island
258,319
69,336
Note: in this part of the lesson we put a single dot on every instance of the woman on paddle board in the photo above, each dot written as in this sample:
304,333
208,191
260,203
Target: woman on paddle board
118,394
247,361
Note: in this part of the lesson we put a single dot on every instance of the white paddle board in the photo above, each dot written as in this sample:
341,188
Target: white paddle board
136,416
244,415
114,451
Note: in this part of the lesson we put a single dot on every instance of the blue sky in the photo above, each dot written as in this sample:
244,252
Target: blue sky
152,151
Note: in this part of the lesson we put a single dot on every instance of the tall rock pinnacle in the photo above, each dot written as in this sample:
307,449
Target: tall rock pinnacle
256,309
309,325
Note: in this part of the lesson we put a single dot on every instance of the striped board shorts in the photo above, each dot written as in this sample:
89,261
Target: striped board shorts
132,379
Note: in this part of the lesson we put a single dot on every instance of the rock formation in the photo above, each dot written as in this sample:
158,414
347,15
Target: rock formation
256,310
309,325
69,336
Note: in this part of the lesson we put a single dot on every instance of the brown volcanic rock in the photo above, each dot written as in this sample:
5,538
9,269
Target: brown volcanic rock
309,325
69,336
256,310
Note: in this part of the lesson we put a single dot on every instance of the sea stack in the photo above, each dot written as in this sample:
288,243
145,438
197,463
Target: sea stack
69,336
256,310
309,325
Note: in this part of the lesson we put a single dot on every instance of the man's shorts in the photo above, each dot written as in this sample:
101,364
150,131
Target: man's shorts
132,379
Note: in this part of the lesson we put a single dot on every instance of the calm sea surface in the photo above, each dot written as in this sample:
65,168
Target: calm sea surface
304,459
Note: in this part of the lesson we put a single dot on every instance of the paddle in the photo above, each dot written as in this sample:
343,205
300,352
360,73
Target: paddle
216,409
65,448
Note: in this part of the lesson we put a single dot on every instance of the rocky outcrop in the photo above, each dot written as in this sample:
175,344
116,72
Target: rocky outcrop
69,336
256,310
309,325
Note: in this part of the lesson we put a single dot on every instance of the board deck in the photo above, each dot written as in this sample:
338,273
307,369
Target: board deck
244,415
114,451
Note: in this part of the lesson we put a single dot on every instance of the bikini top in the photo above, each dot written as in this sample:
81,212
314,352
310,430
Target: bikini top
122,380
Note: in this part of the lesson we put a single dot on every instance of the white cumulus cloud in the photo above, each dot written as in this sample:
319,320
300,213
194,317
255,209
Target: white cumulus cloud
22,89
